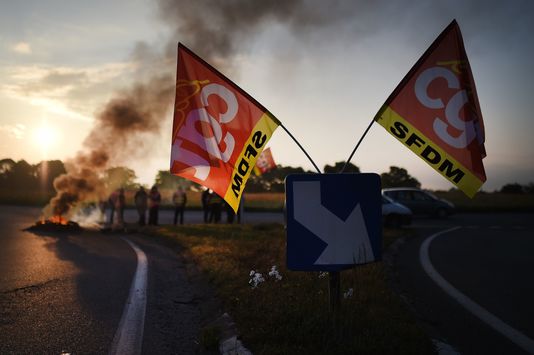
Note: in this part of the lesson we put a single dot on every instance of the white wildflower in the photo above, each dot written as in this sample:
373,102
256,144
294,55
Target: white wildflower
274,273
256,280
323,274
252,272
348,294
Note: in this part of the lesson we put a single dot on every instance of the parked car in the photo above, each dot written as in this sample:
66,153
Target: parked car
394,214
420,202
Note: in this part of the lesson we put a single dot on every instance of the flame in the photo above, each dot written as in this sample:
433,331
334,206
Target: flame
58,220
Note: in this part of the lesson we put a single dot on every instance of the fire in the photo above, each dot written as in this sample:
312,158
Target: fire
56,220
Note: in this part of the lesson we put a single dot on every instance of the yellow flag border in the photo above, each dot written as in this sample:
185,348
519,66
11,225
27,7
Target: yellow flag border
393,122
266,126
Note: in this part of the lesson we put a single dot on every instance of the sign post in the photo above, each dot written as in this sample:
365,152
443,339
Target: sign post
334,290
333,224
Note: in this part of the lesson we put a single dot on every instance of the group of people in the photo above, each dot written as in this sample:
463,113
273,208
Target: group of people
143,201
212,205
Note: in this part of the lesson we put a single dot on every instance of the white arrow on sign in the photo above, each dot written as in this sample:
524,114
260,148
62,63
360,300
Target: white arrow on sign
348,241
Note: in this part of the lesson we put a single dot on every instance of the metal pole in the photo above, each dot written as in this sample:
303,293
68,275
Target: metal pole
334,290
334,285
357,145
306,153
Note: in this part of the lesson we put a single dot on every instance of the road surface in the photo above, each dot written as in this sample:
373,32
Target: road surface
489,260
67,292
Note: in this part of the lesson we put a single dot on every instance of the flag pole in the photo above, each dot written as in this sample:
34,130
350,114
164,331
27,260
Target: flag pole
358,144
307,155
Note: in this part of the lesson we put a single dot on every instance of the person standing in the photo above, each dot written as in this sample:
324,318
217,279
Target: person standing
215,207
112,201
179,198
241,210
141,201
205,199
120,203
230,214
154,199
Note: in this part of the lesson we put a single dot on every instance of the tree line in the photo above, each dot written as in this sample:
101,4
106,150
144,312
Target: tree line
20,175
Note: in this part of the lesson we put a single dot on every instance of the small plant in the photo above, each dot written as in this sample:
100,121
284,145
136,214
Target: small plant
274,273
348,294
256,278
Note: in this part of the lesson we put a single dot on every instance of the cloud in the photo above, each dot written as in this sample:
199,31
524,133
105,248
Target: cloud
22,48
16,131
74,92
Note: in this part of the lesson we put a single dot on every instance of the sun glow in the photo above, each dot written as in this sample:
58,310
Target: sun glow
45,136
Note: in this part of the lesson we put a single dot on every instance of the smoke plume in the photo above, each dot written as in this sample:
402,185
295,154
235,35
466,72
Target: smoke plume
215,30
131,118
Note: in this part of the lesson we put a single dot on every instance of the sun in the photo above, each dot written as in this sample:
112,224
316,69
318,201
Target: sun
45,136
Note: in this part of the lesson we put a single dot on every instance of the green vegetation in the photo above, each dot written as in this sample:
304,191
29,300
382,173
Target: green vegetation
398,177
489,202
209,338
291,316
25,184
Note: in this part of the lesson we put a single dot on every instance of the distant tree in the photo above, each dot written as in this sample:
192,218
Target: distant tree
271,181
120,176
20,175
48,171
398,177
166,180
514,188
529,189
275,179
351,168
6,166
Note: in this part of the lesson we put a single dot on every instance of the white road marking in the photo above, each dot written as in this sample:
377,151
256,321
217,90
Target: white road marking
512,334
129,335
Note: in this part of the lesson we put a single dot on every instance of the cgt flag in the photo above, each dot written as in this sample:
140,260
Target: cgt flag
265,162
218,130
434,111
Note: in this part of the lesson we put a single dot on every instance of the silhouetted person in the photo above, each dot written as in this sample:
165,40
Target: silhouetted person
141,203
112,201
154,199
241,209
120,203
205,199
215,206
230,214
179,198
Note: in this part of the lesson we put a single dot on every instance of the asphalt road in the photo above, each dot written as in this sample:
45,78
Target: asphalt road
489,260
66,292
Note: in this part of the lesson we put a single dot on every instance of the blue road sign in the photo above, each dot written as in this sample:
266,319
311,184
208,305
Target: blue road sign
334,221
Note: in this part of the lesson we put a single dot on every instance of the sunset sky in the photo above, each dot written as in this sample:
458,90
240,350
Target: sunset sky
322,68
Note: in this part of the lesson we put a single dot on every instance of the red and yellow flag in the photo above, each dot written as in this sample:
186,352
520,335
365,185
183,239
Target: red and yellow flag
218,131
265,162
434,111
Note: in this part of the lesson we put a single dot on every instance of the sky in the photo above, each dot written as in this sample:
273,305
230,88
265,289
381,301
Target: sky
322,68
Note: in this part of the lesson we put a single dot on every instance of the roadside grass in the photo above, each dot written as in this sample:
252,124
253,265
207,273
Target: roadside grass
489,202
292,316
273,201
